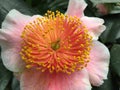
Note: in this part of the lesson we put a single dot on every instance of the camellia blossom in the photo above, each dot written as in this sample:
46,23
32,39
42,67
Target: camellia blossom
55,51
102,9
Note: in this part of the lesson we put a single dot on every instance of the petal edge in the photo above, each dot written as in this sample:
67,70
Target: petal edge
99,65
76,8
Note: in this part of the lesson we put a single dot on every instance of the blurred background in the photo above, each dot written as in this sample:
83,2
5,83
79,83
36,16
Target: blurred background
109,10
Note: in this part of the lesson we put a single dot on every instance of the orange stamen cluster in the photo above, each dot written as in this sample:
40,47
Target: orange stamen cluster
56,43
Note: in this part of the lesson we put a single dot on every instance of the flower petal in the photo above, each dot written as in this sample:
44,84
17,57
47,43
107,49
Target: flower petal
99,64
35,80
10,40
76,8
94,25
10,47
15,20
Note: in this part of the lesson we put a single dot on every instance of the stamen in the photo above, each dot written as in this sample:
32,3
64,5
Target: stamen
56,43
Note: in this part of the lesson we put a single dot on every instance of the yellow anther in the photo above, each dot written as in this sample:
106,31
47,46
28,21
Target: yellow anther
56,43
28,66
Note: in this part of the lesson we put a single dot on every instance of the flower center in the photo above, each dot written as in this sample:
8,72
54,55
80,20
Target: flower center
56,43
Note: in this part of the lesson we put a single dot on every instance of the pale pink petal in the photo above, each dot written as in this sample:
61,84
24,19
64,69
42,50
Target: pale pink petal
99,63
35,80
94,25
76,8
10,51
10,40
12,27
15,20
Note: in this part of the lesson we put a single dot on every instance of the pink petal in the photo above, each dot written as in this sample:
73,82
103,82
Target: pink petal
35,80
11,58
76,8
10,40
99,64
10,45
15,21
94,25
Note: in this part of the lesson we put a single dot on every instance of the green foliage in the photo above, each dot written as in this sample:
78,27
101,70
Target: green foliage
15,84
104,1
5,77
43,5
112,32
112,6
115,59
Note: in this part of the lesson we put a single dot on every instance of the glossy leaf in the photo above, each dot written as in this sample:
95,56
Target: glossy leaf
115,59
5,77
7,5
15,84
104,1
112,32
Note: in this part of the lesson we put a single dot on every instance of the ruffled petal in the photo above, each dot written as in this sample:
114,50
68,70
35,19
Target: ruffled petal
94,25
76,8
99,64
10,48
15,20
35,80
10,40
11,59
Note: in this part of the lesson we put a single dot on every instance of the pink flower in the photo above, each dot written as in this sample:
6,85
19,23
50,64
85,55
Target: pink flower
57,51
102,9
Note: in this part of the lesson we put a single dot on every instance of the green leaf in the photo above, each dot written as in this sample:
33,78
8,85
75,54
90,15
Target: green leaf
112,7
15,84
104,1
5,77
115,10
43,5
112,32
115,59
7,5
90,10
58,4
29,2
